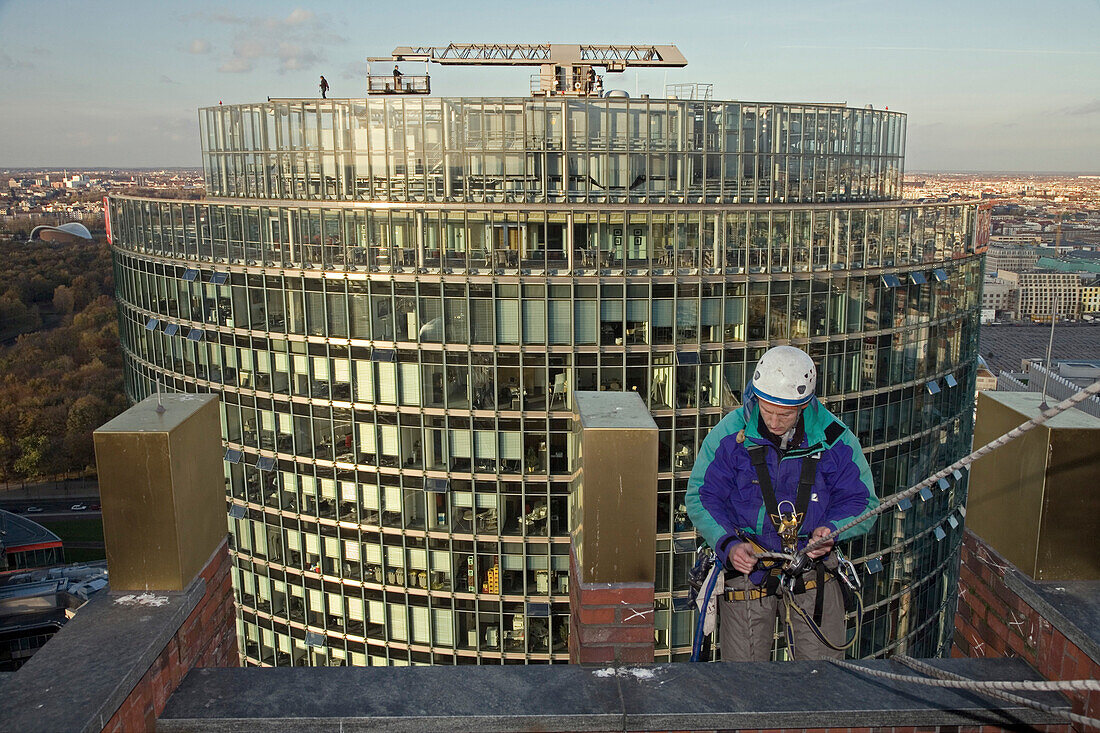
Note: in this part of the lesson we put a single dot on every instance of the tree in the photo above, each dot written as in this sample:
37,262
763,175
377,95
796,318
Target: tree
36,457
63,300
59,384
87,413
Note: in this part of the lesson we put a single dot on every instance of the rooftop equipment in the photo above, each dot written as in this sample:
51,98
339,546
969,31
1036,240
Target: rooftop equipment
564,68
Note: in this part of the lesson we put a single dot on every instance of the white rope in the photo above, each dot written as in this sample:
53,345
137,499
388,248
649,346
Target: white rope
992,688
998,689
989,447
946,679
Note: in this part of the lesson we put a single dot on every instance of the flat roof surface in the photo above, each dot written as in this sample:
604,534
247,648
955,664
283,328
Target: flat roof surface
1004,347
1028,403
18,531
144,418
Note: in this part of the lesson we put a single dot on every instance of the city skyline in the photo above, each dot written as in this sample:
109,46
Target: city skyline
986,87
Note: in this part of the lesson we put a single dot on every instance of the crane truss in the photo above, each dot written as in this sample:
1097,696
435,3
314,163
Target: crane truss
614,57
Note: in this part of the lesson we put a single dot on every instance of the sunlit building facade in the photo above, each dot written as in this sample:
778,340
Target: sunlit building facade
396,297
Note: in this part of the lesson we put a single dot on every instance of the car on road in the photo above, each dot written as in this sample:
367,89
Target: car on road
94,507
31,509
78,507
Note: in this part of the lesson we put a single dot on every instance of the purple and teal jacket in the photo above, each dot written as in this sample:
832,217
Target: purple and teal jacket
724,499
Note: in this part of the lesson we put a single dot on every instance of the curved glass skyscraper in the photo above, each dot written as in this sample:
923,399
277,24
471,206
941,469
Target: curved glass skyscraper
395,298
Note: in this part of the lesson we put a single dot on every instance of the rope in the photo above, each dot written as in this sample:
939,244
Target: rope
997,688
1023,685
947,679
963,462
788,601
992,688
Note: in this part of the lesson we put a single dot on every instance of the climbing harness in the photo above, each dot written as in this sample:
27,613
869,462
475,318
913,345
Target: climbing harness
853,602
788,579
787,523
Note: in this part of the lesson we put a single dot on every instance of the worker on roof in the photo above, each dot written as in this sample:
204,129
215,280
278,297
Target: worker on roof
774,474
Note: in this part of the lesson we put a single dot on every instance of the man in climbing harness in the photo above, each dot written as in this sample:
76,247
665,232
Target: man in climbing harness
773,475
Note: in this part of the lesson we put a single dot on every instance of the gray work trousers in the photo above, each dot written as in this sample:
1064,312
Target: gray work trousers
747,628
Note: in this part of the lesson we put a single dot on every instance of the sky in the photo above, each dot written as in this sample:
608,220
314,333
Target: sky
987,86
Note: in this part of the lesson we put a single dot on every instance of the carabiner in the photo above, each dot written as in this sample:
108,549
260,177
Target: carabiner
846,571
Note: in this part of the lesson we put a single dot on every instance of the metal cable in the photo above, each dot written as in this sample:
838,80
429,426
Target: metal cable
992,688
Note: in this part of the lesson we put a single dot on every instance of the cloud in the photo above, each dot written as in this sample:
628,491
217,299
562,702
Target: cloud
298,16
199,46
944,49
353,70
7,62
292,42
1088,108
236,65
293,56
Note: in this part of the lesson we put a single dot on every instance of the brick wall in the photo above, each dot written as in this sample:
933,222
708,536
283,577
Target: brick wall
609,622
208,638
994,621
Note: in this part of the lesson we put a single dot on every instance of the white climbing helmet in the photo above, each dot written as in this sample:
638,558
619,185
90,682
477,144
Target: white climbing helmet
785,376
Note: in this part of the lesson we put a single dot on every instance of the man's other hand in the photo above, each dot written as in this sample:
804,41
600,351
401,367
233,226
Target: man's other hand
822,549
742,558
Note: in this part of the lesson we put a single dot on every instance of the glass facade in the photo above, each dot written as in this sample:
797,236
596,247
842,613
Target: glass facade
534,150
396,323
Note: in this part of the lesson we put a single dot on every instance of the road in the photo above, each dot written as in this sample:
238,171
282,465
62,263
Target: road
51,508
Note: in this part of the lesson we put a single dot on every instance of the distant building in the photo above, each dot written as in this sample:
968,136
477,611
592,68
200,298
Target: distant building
25,544
985,378
68,233
1081,372
1043,294
1024,240
1015,257
1090,299
1001,295
1077,265
35,605
36,596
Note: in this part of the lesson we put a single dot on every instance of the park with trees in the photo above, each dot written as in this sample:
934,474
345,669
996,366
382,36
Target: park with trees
60,363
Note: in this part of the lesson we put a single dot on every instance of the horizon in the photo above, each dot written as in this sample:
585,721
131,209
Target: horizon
998,88
907,172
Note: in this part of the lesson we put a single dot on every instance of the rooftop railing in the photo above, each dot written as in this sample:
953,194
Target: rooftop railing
399,84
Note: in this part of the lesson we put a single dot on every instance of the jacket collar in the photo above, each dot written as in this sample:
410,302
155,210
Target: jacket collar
815,418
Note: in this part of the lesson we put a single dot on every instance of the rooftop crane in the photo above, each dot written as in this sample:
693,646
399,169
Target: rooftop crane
565,68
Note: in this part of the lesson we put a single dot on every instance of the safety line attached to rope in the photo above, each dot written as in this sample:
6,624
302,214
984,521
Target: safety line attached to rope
963,462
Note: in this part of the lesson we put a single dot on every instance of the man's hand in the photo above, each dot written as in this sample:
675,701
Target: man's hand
822,549
742,558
